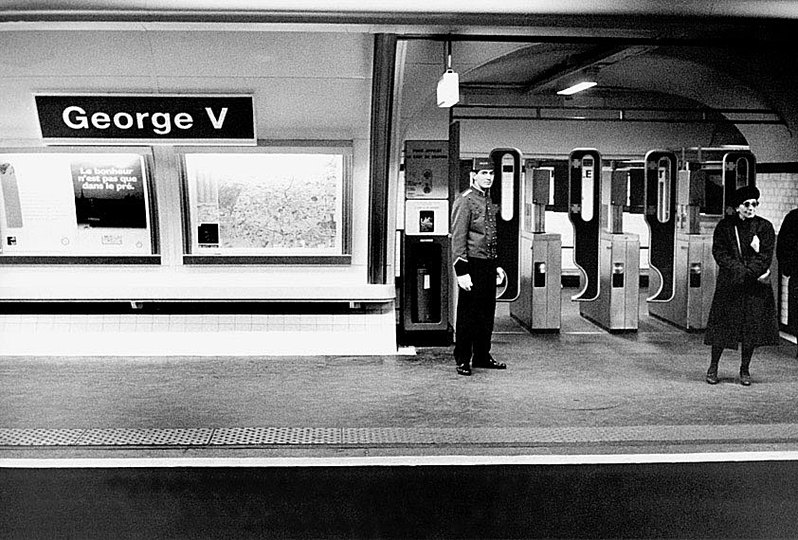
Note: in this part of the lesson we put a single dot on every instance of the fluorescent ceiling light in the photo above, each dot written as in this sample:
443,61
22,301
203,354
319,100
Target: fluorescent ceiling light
578,87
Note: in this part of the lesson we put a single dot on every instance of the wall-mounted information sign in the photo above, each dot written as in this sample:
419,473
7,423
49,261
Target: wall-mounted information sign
146,119
427,169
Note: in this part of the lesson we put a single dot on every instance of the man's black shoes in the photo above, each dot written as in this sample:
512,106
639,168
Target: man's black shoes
463,369
489,363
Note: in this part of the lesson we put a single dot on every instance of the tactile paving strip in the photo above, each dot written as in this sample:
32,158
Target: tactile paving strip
145,437
275,436
393,436
377,436
39,437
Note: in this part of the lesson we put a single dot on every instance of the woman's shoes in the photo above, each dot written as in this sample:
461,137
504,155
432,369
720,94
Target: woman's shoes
745,379
712,377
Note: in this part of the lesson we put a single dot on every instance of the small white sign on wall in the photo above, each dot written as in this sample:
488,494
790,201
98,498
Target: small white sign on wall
427,217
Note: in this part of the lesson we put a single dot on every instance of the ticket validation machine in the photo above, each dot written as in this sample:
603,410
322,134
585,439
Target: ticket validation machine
539,303
506,194
425,243
616,306
739,170
680,256
584,196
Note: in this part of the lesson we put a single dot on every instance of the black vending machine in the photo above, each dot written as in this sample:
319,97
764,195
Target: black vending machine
425,244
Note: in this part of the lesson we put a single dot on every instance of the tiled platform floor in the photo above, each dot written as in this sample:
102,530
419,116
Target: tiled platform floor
582,390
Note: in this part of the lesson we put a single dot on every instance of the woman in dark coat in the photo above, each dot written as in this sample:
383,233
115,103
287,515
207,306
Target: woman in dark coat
743,309
787,254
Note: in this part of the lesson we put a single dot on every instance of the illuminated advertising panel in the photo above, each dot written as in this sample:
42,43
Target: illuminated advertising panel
289,202
74,204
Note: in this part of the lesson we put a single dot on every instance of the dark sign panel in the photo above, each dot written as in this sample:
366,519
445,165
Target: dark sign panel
149,119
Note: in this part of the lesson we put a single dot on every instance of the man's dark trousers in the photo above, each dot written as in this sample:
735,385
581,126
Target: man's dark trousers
475,312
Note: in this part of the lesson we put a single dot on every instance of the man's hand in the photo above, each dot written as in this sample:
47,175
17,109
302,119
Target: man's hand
501,275
464,282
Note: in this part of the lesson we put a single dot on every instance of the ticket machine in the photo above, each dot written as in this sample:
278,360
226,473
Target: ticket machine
683,270
425,243
612,301
539,304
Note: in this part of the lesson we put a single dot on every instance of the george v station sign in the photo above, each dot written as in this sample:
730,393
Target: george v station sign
146,119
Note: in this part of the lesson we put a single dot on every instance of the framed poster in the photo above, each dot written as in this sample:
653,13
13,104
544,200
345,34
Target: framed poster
109,191
85,204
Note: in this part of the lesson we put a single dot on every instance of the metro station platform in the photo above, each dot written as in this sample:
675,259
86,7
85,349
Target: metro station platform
587,434
580,391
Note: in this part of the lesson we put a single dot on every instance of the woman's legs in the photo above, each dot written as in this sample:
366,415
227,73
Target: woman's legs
746,353
745,361
712,372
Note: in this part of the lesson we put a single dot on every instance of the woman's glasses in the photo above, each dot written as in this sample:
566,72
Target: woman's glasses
751,204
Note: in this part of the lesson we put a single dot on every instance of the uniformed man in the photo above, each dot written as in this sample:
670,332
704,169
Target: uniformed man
474,256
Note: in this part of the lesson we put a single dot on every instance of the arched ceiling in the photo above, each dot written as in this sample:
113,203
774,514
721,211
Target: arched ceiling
643,75
537,71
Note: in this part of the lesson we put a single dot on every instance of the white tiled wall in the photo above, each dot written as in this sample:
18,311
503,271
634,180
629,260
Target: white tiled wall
369,332
779,195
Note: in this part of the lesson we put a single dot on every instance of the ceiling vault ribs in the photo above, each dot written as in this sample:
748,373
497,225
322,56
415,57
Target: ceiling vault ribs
594,58
670,115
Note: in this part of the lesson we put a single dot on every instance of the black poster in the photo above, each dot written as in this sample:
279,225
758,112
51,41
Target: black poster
151,119
109,191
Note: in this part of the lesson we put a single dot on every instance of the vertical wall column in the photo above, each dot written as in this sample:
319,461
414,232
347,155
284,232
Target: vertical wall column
382,88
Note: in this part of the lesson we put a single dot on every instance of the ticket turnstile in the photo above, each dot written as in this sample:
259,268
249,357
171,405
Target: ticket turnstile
539,304
685,274
506,194
612,301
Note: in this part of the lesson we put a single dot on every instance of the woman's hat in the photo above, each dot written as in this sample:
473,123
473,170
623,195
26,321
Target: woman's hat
743,194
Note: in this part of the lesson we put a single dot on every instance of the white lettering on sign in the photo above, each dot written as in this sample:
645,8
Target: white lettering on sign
101,120
123,120
183,120
217,122
161,122
82,122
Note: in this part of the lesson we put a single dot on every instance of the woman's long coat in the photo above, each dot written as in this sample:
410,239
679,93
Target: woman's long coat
743,309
